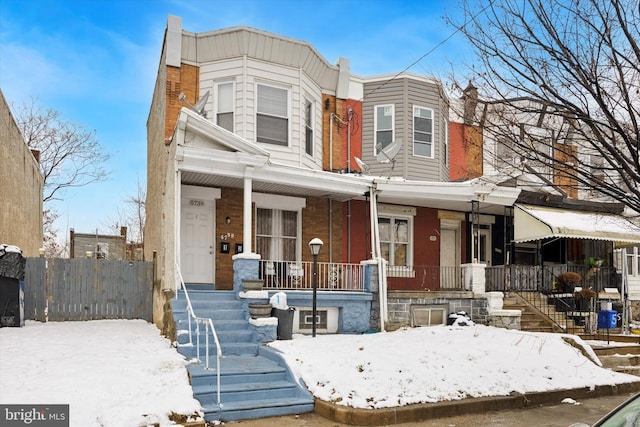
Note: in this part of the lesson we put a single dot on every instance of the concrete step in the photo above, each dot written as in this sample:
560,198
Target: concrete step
251,385
238,369
268,407
228,349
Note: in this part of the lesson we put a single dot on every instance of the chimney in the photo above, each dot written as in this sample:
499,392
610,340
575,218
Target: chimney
470,98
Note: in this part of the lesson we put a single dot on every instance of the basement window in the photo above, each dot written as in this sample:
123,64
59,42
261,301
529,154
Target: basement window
427,315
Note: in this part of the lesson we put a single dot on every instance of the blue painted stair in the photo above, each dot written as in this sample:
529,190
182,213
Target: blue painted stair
255,381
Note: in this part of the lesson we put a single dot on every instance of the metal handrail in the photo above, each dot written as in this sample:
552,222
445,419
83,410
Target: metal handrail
208,322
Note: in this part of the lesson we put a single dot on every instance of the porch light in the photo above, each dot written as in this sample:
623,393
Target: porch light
315,244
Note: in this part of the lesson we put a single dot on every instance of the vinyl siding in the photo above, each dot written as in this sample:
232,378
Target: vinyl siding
405,93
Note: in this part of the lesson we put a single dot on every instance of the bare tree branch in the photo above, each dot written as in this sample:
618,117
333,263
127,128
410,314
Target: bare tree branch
560,80
70,155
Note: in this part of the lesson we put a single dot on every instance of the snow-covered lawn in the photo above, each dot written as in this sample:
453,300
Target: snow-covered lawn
112,373
117,373
440,363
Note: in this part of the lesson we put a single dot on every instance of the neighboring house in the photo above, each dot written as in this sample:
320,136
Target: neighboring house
410,110
550,226
266,160
99,246
21,185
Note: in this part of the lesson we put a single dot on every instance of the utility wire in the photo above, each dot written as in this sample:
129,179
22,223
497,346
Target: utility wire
456,31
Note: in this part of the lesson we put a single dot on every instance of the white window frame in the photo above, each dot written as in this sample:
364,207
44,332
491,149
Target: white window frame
220,109
309,123
432,142
633,261
391,108
276,202
393,269
287,117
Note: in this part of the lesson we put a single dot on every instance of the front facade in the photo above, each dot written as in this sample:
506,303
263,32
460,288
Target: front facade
556,225
21,183
256,145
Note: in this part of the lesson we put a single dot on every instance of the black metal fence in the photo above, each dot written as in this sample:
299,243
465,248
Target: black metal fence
527,278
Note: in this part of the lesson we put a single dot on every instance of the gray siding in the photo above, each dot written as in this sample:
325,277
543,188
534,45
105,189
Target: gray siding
405,93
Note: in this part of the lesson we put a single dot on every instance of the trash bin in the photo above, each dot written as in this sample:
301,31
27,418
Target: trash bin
607,319
285,322
12,265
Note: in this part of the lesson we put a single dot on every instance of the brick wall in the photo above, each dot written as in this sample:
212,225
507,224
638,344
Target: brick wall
465,155
229,205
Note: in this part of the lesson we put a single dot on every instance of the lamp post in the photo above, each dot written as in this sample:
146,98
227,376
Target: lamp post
315,244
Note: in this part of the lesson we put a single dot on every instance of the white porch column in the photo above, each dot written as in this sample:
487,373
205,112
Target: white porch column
246,211
474,277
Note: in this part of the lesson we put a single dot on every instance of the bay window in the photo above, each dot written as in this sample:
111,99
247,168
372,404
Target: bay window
422,131
272,119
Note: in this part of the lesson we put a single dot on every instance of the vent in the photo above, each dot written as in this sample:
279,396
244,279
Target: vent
326,320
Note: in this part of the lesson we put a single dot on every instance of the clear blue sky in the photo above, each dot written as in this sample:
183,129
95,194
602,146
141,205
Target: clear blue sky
95,61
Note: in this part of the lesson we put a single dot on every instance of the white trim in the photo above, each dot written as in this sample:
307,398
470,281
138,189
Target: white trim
375,125
216,99
288,116
396,210
413,135
206,193
274,201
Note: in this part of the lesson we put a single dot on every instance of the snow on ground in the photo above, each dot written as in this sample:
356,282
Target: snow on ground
439,363
116,373
112,373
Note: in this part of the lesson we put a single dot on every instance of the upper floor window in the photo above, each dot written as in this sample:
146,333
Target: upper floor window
308,127
272,120
383,122
224,105
423,132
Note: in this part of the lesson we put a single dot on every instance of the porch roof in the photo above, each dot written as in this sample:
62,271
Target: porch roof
455,196
537,223
237,159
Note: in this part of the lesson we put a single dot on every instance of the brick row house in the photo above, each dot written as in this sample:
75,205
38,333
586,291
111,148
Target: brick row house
558,224
257,144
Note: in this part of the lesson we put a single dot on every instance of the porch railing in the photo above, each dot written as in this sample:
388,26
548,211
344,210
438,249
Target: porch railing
527,278
426,278
298,275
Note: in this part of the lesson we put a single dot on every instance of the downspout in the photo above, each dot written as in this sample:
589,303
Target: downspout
331,141
376,254
177,218
349,116
330,231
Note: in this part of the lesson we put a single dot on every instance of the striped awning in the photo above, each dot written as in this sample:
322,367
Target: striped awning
538,222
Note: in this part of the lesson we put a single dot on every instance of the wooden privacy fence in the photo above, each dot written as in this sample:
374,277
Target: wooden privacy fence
58,289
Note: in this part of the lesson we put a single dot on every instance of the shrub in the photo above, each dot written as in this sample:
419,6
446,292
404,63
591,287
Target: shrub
567,281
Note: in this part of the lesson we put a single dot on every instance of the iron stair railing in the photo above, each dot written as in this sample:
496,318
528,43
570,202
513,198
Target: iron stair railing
208,325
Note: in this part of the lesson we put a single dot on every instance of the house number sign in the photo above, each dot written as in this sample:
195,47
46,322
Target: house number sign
196,202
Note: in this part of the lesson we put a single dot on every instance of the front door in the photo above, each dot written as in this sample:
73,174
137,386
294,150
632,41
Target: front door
449,254
197,241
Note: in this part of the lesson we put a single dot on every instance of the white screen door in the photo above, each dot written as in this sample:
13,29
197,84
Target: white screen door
197,241
449,254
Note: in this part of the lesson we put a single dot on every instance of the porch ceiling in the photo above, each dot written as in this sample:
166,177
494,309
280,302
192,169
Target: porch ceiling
537,223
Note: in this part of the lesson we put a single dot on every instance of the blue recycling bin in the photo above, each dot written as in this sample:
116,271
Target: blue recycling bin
607,319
